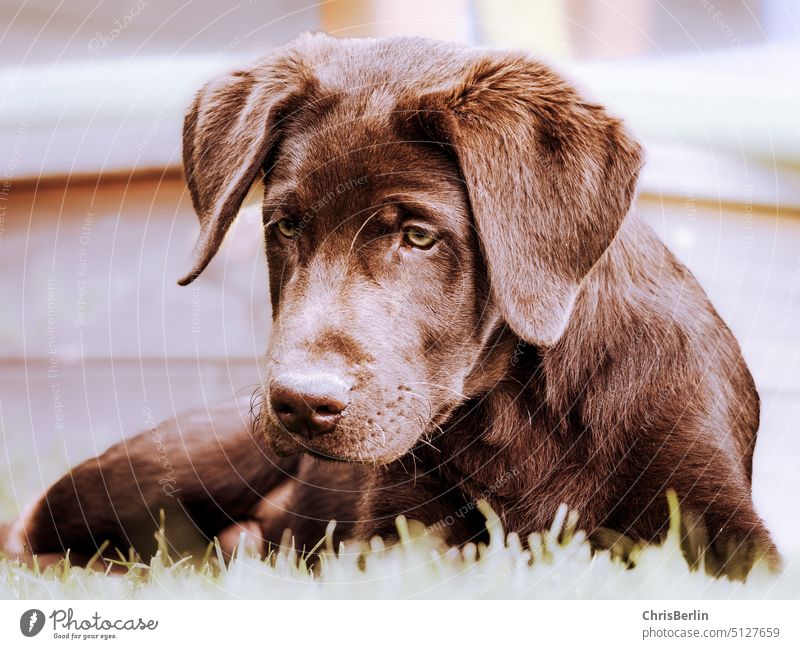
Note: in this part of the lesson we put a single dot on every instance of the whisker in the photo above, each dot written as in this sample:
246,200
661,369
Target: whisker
422,424
443,387
383,433
426,402
426,442
256,409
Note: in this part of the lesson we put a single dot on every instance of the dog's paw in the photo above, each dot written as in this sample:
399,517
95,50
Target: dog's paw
14,535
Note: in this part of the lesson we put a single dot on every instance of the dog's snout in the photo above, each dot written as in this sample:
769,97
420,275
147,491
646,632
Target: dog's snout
308,405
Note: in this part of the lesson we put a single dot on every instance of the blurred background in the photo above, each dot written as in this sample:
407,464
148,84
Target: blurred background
97,341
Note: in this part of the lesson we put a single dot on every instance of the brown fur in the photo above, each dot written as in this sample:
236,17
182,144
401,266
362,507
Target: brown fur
547,349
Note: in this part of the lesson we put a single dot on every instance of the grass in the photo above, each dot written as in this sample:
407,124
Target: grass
558,564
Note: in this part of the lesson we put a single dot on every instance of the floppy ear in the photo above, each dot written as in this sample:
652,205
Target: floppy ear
550,179
228,134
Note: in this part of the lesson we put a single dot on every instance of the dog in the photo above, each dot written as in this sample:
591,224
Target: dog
465,308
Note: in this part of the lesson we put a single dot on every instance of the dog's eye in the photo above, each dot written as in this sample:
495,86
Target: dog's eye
416,237
287,228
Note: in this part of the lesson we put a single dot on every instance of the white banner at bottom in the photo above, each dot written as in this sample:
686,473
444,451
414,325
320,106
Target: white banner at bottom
355,623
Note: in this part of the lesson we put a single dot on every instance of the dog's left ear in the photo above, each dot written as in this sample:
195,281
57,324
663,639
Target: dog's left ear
550,179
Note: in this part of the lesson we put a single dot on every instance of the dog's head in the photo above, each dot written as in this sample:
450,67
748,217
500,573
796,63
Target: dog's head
419,197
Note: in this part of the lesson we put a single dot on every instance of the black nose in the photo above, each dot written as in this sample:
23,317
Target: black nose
308,408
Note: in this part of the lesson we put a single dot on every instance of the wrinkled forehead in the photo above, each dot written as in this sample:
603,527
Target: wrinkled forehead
353,158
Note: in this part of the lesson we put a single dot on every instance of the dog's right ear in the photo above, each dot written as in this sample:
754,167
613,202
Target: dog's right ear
550,178
228,134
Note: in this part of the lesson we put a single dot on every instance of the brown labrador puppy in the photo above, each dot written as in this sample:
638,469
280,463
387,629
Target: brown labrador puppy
464,308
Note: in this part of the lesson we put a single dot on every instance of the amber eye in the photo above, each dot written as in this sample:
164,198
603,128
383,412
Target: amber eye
287,228
416,237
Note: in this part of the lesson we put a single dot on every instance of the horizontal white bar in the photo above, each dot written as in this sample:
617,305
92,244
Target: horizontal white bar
356,624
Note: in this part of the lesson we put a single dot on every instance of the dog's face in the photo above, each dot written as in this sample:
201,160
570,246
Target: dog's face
418,198
377,289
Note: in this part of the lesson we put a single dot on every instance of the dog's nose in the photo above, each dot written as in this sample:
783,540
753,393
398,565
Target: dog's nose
308,405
